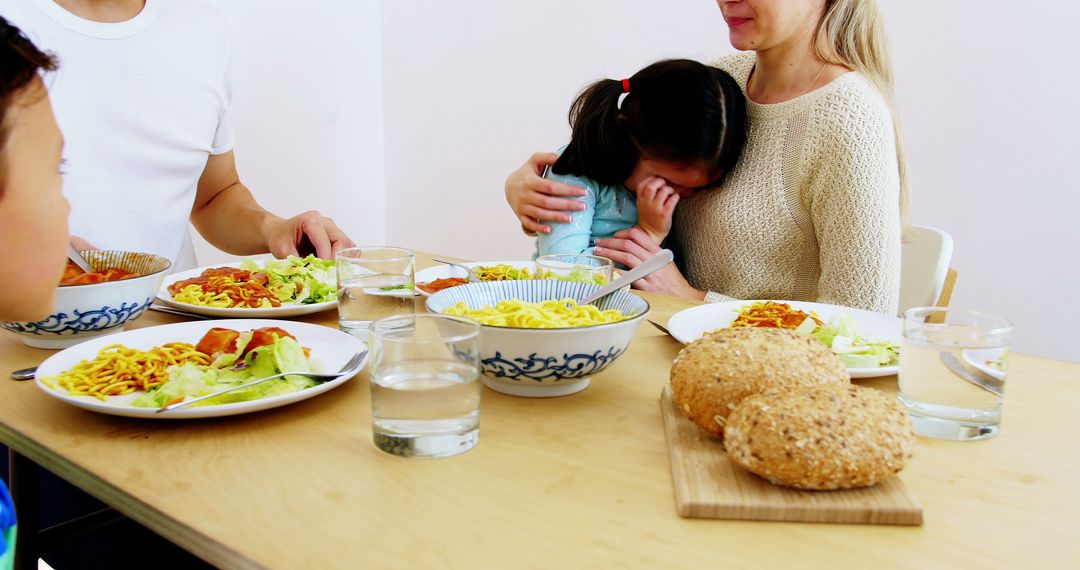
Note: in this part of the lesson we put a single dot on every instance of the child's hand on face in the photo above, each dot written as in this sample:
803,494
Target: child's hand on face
656,202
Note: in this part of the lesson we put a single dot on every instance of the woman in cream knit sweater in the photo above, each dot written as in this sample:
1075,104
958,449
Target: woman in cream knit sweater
813,208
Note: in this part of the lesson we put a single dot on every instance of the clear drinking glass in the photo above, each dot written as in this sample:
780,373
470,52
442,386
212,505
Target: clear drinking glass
953,364
575,267
373,283
425,388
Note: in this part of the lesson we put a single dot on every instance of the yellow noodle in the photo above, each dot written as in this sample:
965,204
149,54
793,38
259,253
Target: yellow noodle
560,314
194,295
118,369
501,272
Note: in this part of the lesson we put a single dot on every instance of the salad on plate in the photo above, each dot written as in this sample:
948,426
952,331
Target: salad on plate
867,342
254,288
172,372
242,357
840,333
271,284
134,373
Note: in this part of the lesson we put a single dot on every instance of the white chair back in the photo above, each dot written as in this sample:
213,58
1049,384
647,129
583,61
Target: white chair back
924,264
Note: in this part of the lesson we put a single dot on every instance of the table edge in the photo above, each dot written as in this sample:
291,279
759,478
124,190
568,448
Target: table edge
205,547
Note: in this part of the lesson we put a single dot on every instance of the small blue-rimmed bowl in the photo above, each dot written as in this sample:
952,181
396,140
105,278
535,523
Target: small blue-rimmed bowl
545,362
83,312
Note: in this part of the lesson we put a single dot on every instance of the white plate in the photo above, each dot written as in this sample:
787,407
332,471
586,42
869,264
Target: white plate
285,310
688,325
395,293
330,350
442,270
977,358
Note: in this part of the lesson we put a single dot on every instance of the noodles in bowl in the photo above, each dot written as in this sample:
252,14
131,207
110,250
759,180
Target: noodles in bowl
558,314
535,343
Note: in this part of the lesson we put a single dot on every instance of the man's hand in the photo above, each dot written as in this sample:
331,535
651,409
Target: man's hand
656,202
227,215
307,233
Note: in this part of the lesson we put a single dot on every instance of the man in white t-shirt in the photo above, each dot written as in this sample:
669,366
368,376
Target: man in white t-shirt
141,97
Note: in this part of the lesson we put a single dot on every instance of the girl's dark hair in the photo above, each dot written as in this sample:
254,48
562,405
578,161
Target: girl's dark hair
676,110
20,61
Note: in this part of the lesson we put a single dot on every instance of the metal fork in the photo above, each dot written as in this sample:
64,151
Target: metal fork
78,259
468,270
350,367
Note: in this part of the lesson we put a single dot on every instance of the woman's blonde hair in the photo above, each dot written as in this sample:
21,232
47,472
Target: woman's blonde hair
851,33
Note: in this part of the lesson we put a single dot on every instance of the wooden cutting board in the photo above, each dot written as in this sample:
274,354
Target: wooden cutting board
709,485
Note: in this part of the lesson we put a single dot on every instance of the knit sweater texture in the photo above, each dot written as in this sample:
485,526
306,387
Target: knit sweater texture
811,210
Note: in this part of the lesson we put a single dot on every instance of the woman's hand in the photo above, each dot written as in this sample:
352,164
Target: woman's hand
535,199
633,246
656,201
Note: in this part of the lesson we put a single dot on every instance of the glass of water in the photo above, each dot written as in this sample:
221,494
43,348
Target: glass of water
373,282
575,267
425,389
953,364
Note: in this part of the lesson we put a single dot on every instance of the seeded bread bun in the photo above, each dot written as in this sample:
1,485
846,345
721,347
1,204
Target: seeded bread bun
711,375
820,438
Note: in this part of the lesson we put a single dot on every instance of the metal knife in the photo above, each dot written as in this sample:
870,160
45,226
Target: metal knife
172,311
660,327
976,377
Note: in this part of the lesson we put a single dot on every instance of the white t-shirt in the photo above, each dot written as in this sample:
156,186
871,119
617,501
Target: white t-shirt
141,105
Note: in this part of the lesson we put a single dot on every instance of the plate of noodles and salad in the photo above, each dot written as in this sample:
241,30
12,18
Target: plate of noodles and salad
254,288
867,342
438,277
134,373
434,279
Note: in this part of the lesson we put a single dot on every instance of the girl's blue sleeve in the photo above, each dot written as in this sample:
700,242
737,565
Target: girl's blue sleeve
576,236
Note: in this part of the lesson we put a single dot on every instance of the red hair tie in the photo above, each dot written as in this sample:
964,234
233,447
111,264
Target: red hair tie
625,85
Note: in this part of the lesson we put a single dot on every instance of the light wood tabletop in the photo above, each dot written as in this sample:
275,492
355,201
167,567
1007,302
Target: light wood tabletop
578,481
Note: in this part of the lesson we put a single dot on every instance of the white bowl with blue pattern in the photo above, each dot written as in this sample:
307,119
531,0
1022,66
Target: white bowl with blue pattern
543,363
83,312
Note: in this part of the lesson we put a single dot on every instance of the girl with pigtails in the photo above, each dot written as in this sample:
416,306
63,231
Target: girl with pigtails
641,144
815,207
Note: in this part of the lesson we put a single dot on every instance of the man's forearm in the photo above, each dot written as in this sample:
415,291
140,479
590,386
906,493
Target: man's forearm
234,222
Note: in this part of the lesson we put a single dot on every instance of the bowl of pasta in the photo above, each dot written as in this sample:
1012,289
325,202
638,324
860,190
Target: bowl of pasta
90,305
535,340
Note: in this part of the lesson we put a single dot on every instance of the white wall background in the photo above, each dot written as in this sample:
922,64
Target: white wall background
988,92
987,95
307,111
473,88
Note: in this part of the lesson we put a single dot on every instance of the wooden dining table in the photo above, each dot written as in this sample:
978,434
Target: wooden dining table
581,481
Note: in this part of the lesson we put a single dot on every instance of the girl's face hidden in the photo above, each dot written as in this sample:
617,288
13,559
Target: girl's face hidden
764,24
683,178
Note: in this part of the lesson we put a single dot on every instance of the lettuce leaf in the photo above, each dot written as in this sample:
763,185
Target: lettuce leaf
854,350
192,380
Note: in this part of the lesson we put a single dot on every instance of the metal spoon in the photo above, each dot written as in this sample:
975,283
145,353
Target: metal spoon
78,259
468,270
658,261
24,374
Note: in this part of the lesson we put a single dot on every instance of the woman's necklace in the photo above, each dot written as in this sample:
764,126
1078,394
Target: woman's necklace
809,88
816,77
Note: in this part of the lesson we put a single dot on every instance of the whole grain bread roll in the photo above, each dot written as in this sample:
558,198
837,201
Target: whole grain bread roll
711,375
821,438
